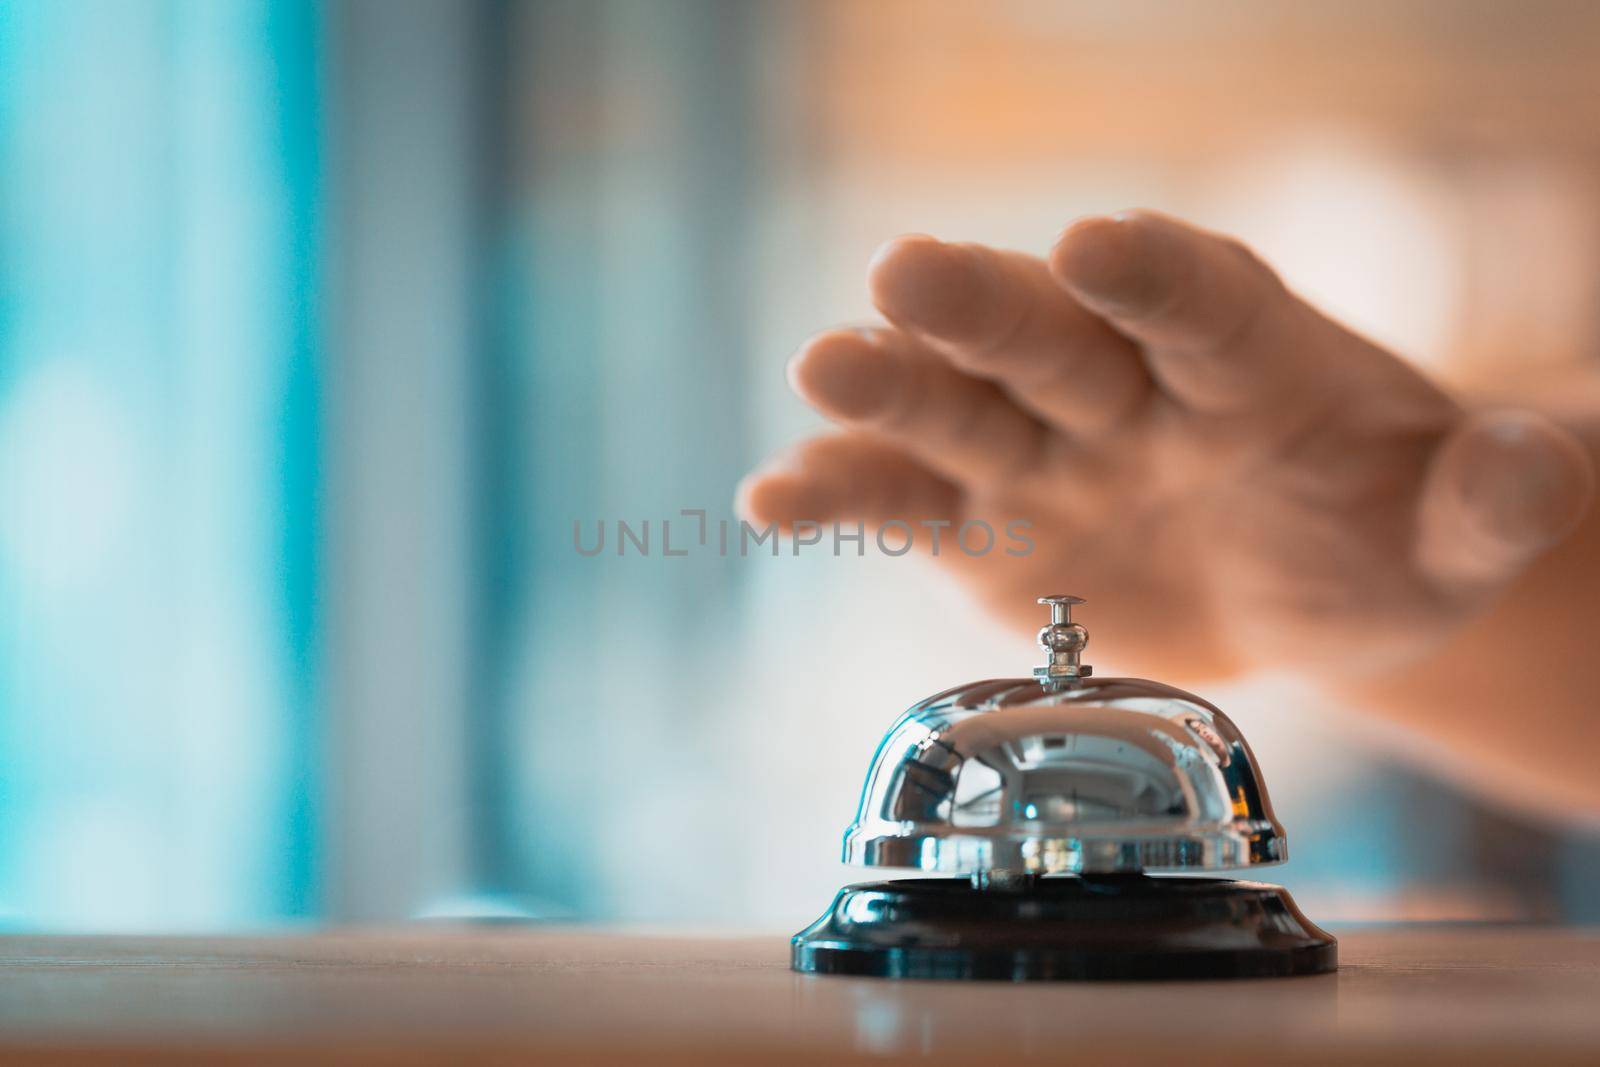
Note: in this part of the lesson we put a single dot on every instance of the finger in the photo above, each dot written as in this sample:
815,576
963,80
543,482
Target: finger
1218,327
847,476
885,382
1000,316
1501,490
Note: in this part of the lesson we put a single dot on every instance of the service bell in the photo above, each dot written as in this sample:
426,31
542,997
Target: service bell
1049,803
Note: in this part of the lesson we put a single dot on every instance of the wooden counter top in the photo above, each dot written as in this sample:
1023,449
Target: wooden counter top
1414,995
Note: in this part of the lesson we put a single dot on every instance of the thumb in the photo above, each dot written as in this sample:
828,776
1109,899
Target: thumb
1502,488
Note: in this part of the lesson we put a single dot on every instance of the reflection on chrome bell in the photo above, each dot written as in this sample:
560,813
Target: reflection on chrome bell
1047,802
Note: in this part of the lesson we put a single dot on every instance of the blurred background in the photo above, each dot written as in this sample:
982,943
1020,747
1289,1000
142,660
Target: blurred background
321,324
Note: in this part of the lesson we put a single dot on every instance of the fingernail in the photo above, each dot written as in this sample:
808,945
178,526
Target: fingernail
776,495
1100,258
1503,488
925,284
845,374
755,498
1527,480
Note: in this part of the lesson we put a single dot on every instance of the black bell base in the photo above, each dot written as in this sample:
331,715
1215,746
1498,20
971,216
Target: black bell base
1106,928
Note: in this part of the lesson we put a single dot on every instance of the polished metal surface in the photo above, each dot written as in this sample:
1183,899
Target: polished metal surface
1064,774
1063,641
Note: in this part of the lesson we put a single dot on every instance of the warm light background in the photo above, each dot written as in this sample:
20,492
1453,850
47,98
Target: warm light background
1426,171
320,324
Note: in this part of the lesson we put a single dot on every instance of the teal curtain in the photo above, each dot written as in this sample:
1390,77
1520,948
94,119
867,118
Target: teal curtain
159,174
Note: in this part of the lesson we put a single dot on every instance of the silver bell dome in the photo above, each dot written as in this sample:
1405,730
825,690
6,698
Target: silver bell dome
1064,773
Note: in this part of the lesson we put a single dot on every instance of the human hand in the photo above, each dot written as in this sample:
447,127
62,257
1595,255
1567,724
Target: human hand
1230,478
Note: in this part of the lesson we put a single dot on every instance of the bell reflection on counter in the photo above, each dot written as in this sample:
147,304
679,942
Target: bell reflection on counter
1047,803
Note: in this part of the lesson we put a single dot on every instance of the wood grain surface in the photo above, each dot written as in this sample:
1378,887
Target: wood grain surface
1414,995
